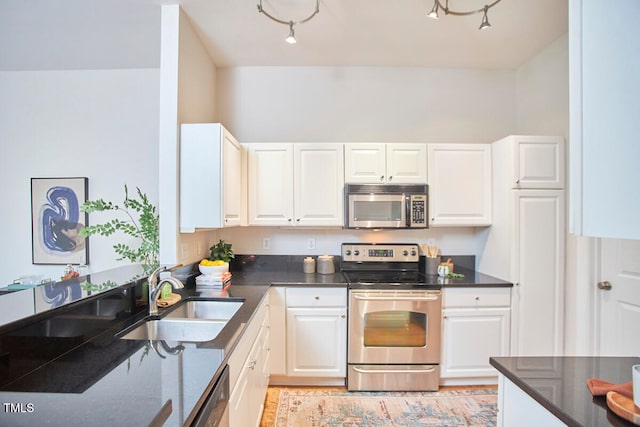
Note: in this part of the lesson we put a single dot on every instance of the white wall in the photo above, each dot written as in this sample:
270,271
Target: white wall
350,104
188,95
102,124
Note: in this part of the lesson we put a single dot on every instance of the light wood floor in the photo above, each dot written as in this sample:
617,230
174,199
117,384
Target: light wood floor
273,393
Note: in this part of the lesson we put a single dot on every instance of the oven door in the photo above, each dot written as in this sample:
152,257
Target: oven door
377,211
394,326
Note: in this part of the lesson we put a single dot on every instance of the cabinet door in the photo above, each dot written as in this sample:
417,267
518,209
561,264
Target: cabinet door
538,162
406,163
231,180
538,260
210,177
317,342
459,184
364,163
470,337
318,184
270,184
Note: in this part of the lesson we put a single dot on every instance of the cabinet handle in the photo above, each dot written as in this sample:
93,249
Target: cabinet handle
518,181
444,317
297,219
289,219
317,298
343,316
390,178
477,298
517,284
381,177
252,364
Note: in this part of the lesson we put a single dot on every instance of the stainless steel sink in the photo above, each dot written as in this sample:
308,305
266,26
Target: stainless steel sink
174,329
205,309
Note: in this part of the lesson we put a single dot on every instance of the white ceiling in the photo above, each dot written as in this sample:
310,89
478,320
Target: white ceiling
376,32
94,34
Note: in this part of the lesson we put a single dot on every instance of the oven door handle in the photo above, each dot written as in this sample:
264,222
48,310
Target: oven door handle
397,298
393,371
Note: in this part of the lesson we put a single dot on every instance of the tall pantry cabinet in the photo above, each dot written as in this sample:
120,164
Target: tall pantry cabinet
526,242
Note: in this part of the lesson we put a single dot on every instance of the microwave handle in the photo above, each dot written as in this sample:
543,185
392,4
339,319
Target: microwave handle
407,210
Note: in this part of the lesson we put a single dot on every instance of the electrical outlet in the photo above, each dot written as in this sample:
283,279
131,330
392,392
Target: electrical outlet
266,243
311,243
185,250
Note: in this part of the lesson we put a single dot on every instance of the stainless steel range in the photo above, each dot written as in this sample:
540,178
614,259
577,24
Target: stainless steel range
394,319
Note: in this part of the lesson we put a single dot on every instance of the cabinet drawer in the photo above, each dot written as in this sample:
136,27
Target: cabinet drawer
481,297
316,297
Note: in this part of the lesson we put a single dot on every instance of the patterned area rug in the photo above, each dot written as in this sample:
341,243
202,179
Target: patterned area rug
374,409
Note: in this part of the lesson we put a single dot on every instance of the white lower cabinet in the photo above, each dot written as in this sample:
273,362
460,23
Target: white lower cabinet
310,338
249,371
476,326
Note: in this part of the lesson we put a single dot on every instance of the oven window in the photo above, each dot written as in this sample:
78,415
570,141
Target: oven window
395,329
388,210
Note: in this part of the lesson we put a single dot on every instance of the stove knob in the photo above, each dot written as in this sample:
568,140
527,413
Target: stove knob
356,252
347,252
413,252
405,252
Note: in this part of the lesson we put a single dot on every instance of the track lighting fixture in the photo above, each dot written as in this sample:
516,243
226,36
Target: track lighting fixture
291,39
437,5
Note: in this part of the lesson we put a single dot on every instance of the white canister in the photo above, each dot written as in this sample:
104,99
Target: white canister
325,264
309,265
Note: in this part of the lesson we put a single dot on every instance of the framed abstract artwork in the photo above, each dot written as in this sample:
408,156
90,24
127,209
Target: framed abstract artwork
56,220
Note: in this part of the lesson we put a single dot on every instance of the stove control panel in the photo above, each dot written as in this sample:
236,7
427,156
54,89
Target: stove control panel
370,252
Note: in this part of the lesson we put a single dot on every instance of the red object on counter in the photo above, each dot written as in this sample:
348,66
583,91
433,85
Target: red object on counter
600,387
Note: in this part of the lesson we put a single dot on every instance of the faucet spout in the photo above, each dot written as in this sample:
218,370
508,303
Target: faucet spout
155,289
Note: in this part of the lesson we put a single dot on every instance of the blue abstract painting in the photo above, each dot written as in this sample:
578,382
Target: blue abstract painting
57,220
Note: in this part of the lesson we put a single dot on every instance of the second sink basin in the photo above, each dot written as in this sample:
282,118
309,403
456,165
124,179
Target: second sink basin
189,330
205,309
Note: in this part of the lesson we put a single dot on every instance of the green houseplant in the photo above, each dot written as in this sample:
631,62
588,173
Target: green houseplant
140,221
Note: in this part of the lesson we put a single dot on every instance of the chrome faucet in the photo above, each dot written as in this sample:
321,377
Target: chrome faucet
155,288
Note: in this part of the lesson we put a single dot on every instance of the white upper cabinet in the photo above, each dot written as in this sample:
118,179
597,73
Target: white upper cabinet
318,184
376,163
604,104
295,184
459,184
538,162
270,182
210,177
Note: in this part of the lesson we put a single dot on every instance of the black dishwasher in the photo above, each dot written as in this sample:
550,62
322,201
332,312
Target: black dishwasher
214,411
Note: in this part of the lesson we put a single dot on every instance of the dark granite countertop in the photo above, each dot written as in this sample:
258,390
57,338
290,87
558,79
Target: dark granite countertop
560,385
68,380
125,382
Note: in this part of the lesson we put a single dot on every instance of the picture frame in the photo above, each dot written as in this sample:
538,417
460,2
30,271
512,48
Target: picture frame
56,220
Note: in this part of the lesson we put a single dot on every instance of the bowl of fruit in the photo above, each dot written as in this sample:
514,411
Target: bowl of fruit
218,263
213,268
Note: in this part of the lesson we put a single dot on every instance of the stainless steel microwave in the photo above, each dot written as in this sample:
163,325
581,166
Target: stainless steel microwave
386,205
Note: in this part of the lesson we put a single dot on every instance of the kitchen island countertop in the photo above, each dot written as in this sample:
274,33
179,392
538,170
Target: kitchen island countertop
559,384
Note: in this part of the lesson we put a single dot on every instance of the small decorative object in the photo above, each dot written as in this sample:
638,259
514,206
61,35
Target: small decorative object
56,221
309,265
443,270
325,264
218,261
146,228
